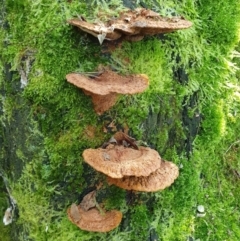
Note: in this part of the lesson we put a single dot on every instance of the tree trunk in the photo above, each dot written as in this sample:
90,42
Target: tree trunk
44,131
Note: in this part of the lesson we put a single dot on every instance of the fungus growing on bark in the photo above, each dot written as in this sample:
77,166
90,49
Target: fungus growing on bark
92,220
119,161
120,138
89,218
96,30
139,169
105,87
132,24
89,201
158,180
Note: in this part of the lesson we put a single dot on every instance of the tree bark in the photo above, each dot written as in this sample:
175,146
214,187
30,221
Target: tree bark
18,130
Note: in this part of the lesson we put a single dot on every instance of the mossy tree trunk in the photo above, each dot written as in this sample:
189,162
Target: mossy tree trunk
46,125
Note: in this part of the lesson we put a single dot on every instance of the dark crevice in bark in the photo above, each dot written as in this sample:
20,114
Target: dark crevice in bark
190,122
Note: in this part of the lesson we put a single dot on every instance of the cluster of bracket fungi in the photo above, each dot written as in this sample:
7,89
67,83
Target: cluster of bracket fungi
132,25
125,163
130,166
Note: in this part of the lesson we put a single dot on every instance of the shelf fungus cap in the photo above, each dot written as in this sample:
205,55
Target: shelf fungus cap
119,161
132,23
92,220
106,85
96,29
162,178
141,22
107,81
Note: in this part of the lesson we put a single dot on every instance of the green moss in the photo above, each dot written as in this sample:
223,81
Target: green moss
215,188
174,208
117,200
146,57
62,121
225,35
214,125
139,222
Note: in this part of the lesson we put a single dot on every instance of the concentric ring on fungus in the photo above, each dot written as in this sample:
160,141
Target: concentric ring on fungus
119,161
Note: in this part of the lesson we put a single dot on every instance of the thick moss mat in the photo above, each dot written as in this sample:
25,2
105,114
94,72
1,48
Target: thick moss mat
189,114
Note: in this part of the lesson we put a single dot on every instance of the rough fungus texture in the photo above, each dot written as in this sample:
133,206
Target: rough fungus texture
132,24
119,161
102,103
92,220
122,138
89,201
106,85
162,178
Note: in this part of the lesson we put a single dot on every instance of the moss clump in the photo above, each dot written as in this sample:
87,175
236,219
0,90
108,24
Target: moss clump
214,125
141,112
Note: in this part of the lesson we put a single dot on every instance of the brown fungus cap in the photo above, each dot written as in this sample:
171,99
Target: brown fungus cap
108,81
95,29
119,161
88,201
125,140
121,138
102,103
162,178
92,220
132,23
105,87
142,22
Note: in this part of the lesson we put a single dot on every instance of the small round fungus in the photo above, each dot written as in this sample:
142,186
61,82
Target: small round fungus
200,209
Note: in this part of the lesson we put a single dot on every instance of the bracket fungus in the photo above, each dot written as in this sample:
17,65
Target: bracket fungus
132,25
88,201
106,85
97,30
92,220
139,169
158,180
89,218
119,161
